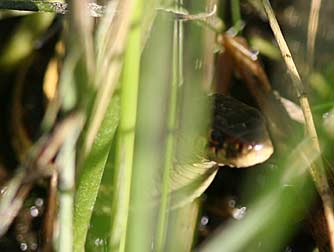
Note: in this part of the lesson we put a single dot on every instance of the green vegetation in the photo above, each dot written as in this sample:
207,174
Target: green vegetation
125,132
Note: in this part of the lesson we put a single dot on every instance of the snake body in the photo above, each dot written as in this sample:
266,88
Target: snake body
237,136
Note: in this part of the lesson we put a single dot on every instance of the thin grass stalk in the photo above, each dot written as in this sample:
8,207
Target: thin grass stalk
193,116
129,95
317,168
172,126
12,201
311,33
66,161
50,213
108,65
84,25
208,57
149,145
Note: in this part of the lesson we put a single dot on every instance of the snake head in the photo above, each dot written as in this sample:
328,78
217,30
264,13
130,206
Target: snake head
238,135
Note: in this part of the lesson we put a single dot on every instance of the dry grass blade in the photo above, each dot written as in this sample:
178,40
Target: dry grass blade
312,32
209,41
38,164
50,214
114,31
12,201
317,169
184,15
84,24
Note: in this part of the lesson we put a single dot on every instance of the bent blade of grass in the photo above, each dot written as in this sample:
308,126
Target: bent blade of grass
90,177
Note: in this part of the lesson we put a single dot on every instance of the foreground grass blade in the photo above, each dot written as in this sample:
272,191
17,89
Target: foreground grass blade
172,120
126,130
150,130
90,178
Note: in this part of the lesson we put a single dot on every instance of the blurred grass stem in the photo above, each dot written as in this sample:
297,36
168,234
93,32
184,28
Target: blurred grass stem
317,168
235,11
108,64
66,160
172,126
129,95
311,34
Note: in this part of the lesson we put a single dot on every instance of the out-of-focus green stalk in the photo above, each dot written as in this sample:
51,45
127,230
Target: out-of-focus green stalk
235,9
191,123
23,40
172,126
110,59
89,180
238,24
111,37
183,221
66,161
126,130
149,149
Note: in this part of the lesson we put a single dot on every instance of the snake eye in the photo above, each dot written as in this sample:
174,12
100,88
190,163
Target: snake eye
234,149
217,137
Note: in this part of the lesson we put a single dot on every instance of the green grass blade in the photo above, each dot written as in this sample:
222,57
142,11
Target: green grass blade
126,131
90,178
150,133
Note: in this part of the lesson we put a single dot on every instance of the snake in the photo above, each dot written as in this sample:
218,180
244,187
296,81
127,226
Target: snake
237,136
